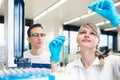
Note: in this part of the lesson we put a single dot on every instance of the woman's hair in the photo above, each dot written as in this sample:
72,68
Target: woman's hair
98,33
100,57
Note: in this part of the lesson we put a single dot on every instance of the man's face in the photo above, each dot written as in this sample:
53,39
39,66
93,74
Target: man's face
37,37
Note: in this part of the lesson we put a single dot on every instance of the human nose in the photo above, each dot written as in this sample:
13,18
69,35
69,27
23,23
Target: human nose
40,37
87,35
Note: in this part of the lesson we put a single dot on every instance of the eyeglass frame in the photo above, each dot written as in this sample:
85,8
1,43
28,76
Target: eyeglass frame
37,34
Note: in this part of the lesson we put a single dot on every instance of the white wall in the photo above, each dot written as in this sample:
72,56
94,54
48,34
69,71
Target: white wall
52,28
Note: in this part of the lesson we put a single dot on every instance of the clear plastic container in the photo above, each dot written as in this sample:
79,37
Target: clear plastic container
26,74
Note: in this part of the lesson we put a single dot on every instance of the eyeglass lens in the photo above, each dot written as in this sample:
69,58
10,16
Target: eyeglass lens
37,34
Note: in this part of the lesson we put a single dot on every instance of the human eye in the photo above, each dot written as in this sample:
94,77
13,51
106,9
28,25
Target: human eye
34,35
42,34
92,33
82,32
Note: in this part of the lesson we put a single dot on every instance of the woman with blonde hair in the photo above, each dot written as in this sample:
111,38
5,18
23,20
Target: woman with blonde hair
91,65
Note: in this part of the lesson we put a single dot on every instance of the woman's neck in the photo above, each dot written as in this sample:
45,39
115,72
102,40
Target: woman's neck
87,57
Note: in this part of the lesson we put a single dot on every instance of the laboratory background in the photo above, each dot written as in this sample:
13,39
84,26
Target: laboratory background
58,17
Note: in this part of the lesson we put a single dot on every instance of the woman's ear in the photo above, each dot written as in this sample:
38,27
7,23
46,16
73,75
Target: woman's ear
97,44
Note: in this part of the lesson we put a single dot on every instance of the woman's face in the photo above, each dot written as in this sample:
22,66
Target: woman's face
87,38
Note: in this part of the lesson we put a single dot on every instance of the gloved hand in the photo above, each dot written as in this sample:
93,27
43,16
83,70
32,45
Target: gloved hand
106,9
55,47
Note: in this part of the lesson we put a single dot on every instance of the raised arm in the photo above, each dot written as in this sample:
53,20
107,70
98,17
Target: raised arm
107,9
55,47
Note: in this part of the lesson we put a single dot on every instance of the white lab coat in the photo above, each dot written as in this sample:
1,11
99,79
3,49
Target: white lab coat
76,71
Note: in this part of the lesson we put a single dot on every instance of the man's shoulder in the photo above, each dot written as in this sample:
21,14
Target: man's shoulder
26,52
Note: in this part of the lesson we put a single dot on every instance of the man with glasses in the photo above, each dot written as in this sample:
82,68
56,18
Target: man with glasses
36,38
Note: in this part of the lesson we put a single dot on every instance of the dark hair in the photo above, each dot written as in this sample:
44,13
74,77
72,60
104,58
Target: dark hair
33,26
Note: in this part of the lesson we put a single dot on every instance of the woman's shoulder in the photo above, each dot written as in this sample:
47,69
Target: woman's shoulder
112,58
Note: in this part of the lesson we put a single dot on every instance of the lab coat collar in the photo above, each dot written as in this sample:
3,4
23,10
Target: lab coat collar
78,63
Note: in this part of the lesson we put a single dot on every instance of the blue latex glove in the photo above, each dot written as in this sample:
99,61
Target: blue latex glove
55,47
106,9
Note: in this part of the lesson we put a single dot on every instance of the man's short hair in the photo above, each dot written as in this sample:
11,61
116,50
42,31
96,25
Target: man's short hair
33,26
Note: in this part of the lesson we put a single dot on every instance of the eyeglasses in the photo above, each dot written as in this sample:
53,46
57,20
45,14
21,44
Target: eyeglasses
37,34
